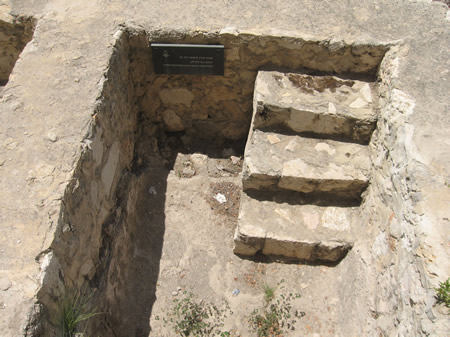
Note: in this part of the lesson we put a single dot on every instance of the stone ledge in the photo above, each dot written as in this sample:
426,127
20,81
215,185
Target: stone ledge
320,105
304,232
274,161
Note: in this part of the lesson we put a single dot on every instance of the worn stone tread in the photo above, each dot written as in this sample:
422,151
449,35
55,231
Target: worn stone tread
305,232
320,105
274,161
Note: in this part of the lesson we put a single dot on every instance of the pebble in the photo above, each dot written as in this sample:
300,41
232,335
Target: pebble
174,293
235,160
220,198
52,137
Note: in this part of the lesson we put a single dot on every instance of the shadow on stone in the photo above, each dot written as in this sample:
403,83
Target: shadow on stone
259,257
298,198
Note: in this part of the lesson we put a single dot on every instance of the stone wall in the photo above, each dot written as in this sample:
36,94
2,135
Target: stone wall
79,252
219,107
396,288
15,33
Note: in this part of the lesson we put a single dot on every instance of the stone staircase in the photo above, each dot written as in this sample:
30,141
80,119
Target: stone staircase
306,165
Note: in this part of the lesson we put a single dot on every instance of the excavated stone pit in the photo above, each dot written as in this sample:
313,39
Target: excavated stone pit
153,134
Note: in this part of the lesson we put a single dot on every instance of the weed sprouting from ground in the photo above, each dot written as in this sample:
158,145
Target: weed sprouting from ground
276,317
269,292
198,318
193,317
75,310
443,293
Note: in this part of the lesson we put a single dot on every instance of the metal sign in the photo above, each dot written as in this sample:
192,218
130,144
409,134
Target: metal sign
188,59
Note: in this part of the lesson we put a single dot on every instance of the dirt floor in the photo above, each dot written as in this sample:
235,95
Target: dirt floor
199,272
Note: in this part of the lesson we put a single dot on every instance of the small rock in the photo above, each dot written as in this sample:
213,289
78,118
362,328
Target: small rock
235,292
174,293
52,137
172,121
188,171
220,198
152,190
178,288
235,160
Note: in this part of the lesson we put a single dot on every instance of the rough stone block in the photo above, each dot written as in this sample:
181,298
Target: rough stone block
320,105
305,232
274,161
176,96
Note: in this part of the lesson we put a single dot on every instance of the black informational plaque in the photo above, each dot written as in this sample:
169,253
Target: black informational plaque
190,59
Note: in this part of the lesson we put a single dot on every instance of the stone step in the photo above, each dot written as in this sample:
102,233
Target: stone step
274,161
305,232
321,106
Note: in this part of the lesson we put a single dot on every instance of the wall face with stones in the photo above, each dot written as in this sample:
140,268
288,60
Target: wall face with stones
219,107
79,253
14,35
395,286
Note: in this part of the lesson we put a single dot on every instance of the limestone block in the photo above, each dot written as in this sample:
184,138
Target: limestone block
172,122
321,105
222,93
176,96
305,165
305,232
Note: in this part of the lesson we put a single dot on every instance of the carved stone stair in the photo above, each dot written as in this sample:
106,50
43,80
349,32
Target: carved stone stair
319,106
275,161
305,145
306,232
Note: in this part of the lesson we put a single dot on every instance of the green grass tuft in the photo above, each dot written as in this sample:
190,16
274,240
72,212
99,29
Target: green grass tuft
269,292
76,309
443,293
